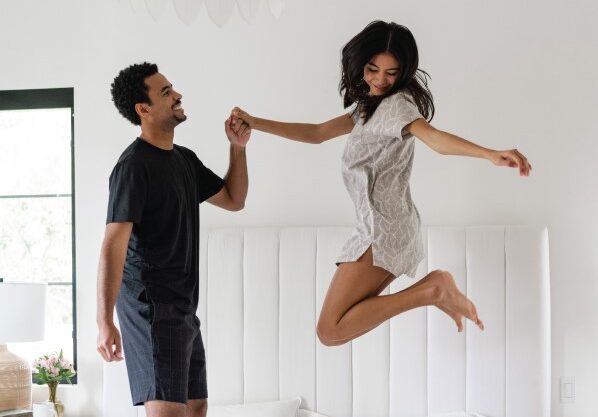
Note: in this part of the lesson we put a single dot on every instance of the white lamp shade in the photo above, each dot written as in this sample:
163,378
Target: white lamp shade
22,310
155,8
220,10
276,7
248,9
187,10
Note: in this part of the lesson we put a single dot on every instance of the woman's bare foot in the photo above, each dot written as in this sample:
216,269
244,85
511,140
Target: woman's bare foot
449,299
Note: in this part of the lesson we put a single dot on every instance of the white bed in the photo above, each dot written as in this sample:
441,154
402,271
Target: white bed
261,291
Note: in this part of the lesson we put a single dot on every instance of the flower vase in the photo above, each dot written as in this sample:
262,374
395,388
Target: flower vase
56,404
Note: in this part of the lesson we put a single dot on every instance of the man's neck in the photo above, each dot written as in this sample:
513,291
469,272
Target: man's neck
159,138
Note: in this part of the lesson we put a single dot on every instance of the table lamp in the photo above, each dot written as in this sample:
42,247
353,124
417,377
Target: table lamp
22,311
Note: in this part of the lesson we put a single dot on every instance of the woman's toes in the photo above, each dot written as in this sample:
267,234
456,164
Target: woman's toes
480,324
457,318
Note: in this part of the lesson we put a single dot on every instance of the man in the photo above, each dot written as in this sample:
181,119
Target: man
149,258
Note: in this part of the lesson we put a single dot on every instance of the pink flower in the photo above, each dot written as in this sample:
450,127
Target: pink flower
52,367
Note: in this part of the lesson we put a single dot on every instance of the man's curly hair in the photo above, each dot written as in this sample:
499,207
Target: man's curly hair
128,89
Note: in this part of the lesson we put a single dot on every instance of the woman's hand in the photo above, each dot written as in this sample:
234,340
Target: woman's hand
512,158
239,116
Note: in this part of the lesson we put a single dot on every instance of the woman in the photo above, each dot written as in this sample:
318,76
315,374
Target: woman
393,106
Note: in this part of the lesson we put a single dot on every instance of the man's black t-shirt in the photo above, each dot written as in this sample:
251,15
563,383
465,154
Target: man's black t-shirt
159,191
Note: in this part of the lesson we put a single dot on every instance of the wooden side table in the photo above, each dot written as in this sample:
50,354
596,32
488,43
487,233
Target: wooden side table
16,413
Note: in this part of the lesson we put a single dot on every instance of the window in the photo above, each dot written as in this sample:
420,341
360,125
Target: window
37,208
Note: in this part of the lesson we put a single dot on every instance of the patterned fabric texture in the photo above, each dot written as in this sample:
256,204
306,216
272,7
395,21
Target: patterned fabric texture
163,347
377,164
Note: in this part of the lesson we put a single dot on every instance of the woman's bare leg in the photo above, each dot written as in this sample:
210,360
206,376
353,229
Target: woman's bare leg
353,307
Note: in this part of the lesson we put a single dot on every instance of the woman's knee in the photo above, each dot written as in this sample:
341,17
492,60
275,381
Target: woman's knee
329,333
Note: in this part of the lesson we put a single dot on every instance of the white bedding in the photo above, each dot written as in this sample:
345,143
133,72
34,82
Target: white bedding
282,408
308,413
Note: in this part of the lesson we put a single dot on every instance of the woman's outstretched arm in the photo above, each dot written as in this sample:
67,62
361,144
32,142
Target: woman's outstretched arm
448,144
302,132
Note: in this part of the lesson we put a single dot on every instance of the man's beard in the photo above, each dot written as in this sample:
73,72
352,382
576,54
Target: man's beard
174,121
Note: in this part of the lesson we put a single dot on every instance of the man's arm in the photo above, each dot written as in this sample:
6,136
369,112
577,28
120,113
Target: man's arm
232,195
236,182
110,270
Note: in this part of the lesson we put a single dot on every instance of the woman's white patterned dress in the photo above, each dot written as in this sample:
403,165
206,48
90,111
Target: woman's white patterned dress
377,164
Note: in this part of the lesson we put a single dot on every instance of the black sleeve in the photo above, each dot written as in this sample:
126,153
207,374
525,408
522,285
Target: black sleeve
128,192
208,183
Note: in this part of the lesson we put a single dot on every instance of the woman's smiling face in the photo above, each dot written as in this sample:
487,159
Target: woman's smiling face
380,73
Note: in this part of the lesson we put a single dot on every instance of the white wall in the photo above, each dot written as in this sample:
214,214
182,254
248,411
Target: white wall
505,74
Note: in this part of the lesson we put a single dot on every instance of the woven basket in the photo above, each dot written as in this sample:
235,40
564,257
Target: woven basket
15,381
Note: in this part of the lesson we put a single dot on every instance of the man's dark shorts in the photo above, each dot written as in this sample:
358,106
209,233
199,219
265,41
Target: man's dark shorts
163,348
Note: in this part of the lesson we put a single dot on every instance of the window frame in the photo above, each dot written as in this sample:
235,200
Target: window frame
52,98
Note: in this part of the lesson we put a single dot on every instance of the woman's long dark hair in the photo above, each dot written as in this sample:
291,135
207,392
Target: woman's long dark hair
376,38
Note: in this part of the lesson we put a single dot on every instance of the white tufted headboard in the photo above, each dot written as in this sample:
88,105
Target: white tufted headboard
261,291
